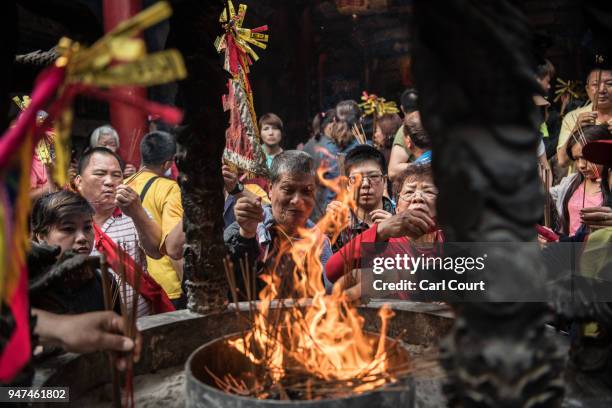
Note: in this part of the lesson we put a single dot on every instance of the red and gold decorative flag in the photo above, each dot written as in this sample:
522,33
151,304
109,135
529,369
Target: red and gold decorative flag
243,149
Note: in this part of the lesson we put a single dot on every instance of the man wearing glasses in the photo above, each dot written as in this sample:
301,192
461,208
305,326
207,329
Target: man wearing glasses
599,91
365,168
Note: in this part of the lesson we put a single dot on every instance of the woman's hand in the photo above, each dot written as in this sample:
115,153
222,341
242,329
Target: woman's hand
410,223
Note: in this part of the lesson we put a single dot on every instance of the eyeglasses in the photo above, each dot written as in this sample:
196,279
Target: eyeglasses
372,178
429,193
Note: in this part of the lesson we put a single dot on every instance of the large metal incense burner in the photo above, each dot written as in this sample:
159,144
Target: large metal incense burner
178,346
216,359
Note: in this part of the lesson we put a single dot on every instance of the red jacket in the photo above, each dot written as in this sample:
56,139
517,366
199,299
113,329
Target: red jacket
342,262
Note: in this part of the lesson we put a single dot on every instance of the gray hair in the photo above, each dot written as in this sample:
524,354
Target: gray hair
292,162
103,130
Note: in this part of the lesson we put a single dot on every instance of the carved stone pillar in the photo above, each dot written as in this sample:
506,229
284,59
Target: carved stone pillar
473,68
194,27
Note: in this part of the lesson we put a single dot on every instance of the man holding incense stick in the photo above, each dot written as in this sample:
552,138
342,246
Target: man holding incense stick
261,232
119,215
599,111
366,170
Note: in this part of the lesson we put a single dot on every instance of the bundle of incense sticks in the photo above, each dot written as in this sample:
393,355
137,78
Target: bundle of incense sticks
133,143
133,177
129,308
359,133
109,301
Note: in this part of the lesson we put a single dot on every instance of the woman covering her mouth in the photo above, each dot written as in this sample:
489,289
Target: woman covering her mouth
65,220
414,222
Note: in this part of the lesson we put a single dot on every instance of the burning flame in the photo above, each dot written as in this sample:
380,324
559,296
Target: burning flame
326,339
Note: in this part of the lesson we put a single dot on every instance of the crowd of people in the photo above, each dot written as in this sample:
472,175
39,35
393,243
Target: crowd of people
139,211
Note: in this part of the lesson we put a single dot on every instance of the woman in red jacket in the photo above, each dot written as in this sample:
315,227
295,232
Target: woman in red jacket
414,222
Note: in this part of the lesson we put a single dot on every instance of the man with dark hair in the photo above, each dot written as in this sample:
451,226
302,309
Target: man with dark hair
365,168
260,231
599,91
118,211
161,197
90,152
408,101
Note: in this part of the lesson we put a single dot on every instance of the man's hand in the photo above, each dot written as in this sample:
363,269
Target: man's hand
249,213
88,332
149,232
230,178
586,118
129,170
379,216
609,125
596,217
127,200
412,223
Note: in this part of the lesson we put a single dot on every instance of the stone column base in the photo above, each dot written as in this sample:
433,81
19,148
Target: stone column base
207,296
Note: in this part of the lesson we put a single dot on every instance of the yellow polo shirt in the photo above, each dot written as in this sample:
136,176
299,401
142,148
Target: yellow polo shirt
163,201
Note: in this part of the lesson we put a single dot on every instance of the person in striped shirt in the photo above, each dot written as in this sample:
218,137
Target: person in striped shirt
118,211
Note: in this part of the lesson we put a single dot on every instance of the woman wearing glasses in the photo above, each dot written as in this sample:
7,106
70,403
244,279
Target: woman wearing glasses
414,222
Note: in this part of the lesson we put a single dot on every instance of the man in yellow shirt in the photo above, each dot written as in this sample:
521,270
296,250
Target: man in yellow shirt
161,196
602,91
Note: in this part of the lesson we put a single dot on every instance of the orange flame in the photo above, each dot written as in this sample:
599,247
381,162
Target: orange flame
326,339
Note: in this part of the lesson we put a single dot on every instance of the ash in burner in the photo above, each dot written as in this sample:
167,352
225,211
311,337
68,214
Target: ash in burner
164,388
220,368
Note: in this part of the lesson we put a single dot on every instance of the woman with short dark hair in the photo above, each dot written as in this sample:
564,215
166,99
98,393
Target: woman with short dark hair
65,220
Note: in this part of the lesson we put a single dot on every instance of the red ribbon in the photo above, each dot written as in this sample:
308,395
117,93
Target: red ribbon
149,289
